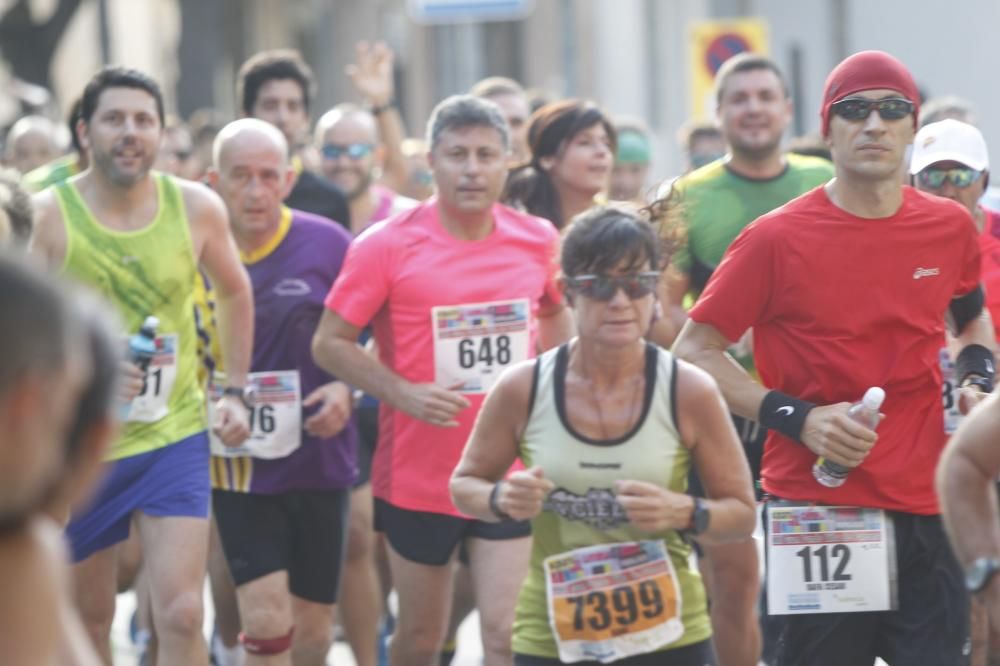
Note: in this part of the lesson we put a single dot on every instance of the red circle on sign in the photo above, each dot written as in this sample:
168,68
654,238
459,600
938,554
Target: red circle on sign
722,48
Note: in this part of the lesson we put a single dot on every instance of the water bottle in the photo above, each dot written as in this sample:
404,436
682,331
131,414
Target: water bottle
141,350
832,475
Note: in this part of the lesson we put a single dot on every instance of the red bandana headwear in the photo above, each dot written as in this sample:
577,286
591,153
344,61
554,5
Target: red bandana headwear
868,70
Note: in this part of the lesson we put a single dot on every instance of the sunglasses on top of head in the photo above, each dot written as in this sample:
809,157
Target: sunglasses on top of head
355,151
859,108
960,177
604,287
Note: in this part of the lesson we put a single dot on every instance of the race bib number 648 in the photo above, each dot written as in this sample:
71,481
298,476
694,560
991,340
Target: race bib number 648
474,342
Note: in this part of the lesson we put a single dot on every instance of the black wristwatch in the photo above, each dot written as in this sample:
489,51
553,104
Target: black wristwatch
984,384
980,572
699,517
246,394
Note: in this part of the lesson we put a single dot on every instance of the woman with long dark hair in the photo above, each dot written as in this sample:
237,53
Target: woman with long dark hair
572,151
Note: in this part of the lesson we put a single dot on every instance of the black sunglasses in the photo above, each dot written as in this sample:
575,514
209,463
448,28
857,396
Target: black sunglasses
604,287
859,108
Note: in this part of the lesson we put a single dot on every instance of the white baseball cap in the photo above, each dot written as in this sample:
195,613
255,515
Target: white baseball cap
949,141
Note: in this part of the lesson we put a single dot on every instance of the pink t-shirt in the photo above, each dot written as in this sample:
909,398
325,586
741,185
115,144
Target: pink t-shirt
395,273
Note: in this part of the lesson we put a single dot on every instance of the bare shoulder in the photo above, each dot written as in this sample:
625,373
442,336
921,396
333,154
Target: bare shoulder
206,213
693,383
510,397
199,199
48,237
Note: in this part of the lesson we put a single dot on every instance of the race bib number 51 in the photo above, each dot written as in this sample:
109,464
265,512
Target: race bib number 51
151,404
612,601
473,343
829,559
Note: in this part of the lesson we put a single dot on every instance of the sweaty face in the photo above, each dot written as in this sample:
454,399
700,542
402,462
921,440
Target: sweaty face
705,150
619,321
253,178
628,181
754,112
281,102
175,152
470,168
123,135
31,150
583,163
872,148
353,175
517,112
967,196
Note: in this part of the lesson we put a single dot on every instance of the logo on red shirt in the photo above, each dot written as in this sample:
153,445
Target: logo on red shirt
926,272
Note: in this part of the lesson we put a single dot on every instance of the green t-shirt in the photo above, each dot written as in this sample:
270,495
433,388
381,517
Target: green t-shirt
716,204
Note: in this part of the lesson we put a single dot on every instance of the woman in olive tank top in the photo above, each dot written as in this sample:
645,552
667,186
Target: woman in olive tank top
608,427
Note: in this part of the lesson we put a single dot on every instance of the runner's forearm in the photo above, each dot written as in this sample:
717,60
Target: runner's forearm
350,363
743,394
731,520
236,332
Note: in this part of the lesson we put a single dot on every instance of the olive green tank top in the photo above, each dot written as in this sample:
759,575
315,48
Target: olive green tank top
149,271
582,510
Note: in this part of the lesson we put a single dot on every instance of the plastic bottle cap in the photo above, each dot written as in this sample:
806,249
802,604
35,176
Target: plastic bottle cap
874,397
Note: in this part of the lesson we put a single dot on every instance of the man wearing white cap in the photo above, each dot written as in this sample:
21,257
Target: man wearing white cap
950,160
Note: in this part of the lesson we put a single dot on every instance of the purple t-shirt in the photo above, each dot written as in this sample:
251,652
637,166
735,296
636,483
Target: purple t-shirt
289,286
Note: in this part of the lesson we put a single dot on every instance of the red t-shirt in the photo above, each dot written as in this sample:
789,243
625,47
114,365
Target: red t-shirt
989,246
839,303
394,274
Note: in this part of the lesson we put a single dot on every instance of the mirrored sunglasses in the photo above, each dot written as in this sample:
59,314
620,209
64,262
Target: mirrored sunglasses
859,108
960,177
604,287
355,151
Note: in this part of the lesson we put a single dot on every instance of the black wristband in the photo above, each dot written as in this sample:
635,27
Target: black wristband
381,108
976,360
495,505
780,411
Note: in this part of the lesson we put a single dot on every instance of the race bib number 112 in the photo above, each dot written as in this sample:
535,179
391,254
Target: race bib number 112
829,559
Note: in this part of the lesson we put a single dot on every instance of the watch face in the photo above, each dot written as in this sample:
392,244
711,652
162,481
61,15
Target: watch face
979,573
699,521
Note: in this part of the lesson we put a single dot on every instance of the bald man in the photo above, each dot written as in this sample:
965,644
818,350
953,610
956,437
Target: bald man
281,500
31,142
352,155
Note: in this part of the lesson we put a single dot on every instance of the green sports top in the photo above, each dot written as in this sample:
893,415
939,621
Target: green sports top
149,271
49,174
581,511
716,204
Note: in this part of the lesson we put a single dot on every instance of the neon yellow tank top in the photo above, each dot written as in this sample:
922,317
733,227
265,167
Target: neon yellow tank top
150,271
582,510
